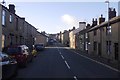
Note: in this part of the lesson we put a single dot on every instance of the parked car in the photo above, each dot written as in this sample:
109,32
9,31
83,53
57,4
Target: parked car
39,46
50,42
8,66
21,53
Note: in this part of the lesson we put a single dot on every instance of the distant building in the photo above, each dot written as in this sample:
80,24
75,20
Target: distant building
62,38
59,37
83,39
41,38
65,36
53,36
74,34
72,40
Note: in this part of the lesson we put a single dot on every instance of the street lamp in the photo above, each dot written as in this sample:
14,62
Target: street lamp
108,32
108,11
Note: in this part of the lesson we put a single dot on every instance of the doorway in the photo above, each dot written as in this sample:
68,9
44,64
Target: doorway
99,49
116,51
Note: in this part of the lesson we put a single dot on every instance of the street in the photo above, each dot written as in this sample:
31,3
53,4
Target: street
57,61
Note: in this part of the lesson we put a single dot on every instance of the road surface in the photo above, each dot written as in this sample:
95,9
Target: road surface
57,61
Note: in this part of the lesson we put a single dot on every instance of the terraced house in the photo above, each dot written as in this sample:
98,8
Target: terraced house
41,38
15,30
65,37
101,38
104,38
83,39
73,35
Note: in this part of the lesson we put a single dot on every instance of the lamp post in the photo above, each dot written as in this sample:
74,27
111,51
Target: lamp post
107,2
108,33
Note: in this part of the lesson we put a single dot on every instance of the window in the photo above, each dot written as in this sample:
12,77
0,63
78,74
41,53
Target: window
3,17
95,46
3,40
86,34
108,45
116,50
95,32
10,18
16,39
16,24
23,26
108,30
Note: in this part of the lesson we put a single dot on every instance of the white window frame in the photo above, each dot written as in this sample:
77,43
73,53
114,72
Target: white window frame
3,17
10,18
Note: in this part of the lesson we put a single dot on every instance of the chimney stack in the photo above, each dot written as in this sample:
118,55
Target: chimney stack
88,26
94,23
101,19
112,13
12,8
73,28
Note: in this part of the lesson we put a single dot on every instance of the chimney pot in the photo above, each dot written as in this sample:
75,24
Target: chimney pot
101,15
96,19
112,13
93,20
73,28
101,19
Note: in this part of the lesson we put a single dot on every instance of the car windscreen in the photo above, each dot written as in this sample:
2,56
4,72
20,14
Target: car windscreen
15,50
39,45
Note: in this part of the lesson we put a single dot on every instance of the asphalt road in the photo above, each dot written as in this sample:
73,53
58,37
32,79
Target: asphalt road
57,61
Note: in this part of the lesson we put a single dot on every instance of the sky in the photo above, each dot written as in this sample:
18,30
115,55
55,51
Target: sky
53,17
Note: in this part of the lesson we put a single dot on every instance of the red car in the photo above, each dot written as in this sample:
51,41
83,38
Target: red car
21,53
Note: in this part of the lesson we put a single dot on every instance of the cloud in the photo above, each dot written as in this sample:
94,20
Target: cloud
69,20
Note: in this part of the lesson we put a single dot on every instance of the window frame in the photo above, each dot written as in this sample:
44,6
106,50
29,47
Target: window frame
10,18
108,30
3,17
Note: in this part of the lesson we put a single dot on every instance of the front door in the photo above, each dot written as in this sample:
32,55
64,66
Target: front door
99,49
116,51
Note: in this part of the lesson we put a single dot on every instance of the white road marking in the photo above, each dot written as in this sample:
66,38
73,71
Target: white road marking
75,78
97,62
58,50
62,57
67,64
